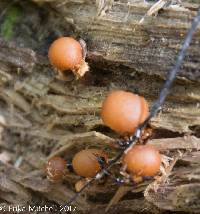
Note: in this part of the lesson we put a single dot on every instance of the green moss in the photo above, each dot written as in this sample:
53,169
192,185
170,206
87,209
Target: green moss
12,17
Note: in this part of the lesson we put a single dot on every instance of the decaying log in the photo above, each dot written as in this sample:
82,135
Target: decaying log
182,191
183,178
179,114
115,36
118,43
81,105
41,116
25,59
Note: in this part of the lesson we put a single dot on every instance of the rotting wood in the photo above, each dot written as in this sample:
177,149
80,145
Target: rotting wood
181,192
48,117
116,37
78,102
16,57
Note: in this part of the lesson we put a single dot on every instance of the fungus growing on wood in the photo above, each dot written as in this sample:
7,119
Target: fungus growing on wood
66,54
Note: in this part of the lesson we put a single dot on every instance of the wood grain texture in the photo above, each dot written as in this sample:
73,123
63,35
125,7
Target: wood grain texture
115,36
41,116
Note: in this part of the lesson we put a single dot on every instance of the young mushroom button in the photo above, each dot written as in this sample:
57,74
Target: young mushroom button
56,169
123,111
142,160
86,162
66,54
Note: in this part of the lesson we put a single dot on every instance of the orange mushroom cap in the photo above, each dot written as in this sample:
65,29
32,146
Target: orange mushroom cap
65,53
142,160
85,162
123,111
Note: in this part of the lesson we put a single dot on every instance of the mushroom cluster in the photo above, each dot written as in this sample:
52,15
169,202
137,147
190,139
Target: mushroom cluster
122,112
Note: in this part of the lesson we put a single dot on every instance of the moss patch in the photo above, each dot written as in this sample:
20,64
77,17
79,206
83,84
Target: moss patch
12,17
